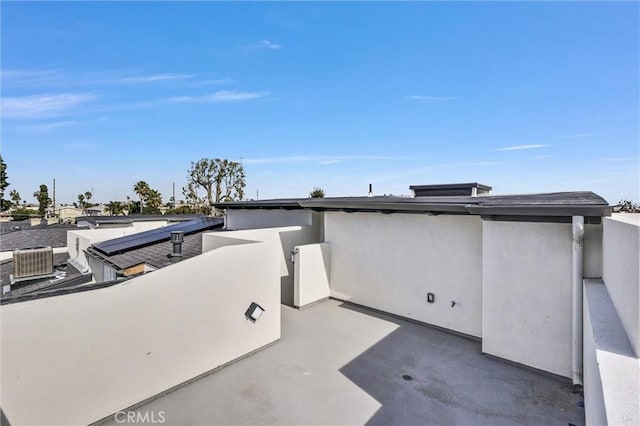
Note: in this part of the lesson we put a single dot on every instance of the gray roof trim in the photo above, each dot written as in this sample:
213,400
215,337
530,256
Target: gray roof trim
558,204
284,203
541,210
417,207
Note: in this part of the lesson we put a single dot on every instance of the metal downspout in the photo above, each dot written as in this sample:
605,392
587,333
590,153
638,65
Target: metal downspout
577,227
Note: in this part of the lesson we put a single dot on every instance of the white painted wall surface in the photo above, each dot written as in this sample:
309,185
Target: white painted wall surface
390,261
527,294
592,251
91,354
149,225
138,225
86,237
286,237
238,219
311,277
594,410
621,270
611,368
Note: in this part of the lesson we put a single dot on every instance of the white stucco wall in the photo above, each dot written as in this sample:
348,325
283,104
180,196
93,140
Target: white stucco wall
527,294
143,225
86,237
621,271
148,225
77,358
611,368
592,251
390,261
286,238
312,270
237,219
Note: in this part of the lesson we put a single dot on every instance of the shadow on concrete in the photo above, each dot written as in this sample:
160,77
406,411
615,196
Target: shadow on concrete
422,375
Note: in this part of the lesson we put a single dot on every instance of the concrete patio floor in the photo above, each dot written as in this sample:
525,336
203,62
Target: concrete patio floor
338,363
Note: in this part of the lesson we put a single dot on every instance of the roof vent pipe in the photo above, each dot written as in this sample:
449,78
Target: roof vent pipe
370,190
177,237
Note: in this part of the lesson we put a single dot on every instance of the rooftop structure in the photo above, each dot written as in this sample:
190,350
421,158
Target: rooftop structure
149,250
446,309
337,363
34,236
66,275
455,189
119,221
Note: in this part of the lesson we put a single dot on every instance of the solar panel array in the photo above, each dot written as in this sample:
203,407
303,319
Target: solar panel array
141,239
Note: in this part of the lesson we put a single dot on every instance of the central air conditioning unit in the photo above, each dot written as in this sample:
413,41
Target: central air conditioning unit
32,262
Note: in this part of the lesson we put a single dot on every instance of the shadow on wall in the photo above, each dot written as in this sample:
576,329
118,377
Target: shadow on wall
424,375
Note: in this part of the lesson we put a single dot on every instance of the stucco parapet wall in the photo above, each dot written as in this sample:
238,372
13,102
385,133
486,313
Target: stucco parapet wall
630,218
557,204
617,364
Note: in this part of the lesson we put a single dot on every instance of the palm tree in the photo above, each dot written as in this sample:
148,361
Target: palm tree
115,208
153,202
141,188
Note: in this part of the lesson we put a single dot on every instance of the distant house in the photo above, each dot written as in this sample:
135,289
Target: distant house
98,210
141,222
68,213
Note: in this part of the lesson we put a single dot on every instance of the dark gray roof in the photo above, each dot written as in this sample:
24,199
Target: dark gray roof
73,277
138,218
154,255
549,204
14,225
36,236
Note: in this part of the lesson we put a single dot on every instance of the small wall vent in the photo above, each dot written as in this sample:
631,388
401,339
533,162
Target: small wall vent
32,262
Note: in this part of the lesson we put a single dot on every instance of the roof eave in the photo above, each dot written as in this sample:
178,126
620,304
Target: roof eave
411,207
542,210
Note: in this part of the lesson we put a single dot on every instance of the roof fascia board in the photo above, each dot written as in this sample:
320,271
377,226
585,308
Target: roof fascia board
541,210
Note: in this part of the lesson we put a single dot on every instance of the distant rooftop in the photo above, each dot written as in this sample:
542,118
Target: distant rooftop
68,276
35,236
152,247
97,220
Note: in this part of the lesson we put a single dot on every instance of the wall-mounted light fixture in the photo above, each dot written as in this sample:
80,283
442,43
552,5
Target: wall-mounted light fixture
292,256
254,312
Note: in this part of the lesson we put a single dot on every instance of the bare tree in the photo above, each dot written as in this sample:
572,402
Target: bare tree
222,180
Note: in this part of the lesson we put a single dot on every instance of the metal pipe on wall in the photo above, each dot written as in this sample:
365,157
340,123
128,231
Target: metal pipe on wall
577,263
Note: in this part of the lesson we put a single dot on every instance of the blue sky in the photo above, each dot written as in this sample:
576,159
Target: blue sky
533,97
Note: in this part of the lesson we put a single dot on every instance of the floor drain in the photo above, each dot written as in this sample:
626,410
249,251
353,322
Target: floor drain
407,377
